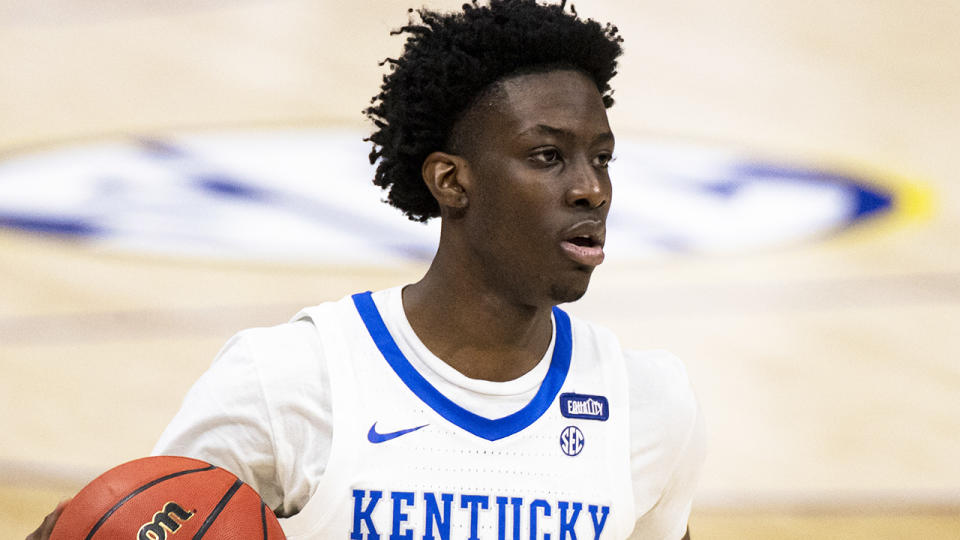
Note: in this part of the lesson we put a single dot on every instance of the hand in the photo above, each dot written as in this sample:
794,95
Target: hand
45,528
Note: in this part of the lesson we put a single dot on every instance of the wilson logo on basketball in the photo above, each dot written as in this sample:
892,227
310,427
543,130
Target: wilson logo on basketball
165,521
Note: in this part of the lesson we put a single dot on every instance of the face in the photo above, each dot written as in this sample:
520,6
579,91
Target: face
537,185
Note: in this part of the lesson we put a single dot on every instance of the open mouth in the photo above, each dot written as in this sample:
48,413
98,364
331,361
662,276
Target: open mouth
583,241
584,250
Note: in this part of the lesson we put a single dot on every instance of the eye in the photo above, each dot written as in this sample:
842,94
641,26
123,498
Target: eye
603,160
546,156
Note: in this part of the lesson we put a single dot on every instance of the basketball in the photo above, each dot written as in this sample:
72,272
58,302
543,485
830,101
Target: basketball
155,498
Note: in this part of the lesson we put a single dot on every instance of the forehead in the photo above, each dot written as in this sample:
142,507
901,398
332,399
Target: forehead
565,100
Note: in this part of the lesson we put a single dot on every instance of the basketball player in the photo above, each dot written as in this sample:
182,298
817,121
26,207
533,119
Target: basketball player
467,405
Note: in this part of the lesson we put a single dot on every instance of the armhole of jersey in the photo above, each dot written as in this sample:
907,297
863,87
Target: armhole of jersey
599,357
327,322
618,372
667,363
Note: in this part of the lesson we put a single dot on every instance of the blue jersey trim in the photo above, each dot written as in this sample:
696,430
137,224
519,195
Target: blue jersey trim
487,428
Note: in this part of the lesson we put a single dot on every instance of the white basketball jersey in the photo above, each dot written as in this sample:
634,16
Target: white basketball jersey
407,462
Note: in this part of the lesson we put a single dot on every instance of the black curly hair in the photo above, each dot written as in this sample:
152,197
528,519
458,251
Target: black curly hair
450,60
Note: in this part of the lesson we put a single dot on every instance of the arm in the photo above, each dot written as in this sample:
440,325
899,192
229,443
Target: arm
218,416
224,421
263,412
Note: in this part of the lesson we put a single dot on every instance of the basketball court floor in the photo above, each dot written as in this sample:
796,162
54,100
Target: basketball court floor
824,349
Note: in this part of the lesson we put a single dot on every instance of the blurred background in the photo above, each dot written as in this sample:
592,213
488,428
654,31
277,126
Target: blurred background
785,221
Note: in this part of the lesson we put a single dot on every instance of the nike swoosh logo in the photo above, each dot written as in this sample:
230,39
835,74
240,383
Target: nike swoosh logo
377,438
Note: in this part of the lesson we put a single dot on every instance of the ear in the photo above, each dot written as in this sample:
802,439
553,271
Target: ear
447,178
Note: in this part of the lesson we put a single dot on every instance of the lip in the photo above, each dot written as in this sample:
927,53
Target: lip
585,255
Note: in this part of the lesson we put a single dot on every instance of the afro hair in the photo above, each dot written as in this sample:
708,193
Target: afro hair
450,60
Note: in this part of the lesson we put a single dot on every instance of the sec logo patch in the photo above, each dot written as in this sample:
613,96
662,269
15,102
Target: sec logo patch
571,440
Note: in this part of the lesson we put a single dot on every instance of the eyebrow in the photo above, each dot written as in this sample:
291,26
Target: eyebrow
563,133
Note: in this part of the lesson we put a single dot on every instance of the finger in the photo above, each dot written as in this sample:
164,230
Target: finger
46,528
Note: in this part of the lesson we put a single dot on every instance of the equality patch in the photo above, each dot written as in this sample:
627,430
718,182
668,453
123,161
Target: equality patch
584,406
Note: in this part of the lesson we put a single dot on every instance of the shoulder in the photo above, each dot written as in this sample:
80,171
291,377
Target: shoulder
658,384
278,353
254,366
664,413
288,340
261,410
270,353
663,406
594,339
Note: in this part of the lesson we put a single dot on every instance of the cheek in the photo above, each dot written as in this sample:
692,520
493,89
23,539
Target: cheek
518,215
502,223
513,206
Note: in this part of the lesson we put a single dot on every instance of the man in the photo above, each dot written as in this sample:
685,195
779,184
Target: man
467,405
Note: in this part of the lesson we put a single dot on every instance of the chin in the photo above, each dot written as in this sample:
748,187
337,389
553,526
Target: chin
571,287
562,294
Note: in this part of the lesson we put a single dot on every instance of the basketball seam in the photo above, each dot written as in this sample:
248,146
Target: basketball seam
263,519
219,508
139,490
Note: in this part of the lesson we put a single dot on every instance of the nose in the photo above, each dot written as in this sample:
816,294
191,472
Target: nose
590,188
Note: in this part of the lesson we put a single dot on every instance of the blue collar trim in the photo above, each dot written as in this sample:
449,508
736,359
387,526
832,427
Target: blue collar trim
490,429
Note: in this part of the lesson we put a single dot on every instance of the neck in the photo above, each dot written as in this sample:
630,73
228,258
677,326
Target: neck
480,331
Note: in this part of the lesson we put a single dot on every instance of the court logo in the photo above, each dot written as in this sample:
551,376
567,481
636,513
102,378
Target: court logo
584,406
571,440
307,196
166,521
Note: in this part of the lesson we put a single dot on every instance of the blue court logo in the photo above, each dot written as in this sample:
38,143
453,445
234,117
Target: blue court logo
306,196
571,440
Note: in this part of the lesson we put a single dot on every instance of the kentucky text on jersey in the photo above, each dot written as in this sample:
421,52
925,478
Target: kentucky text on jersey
546,520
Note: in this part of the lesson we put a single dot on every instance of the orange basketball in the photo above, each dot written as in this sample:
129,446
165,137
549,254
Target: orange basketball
166,498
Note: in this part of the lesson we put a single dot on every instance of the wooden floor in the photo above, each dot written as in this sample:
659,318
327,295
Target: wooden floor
829,370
